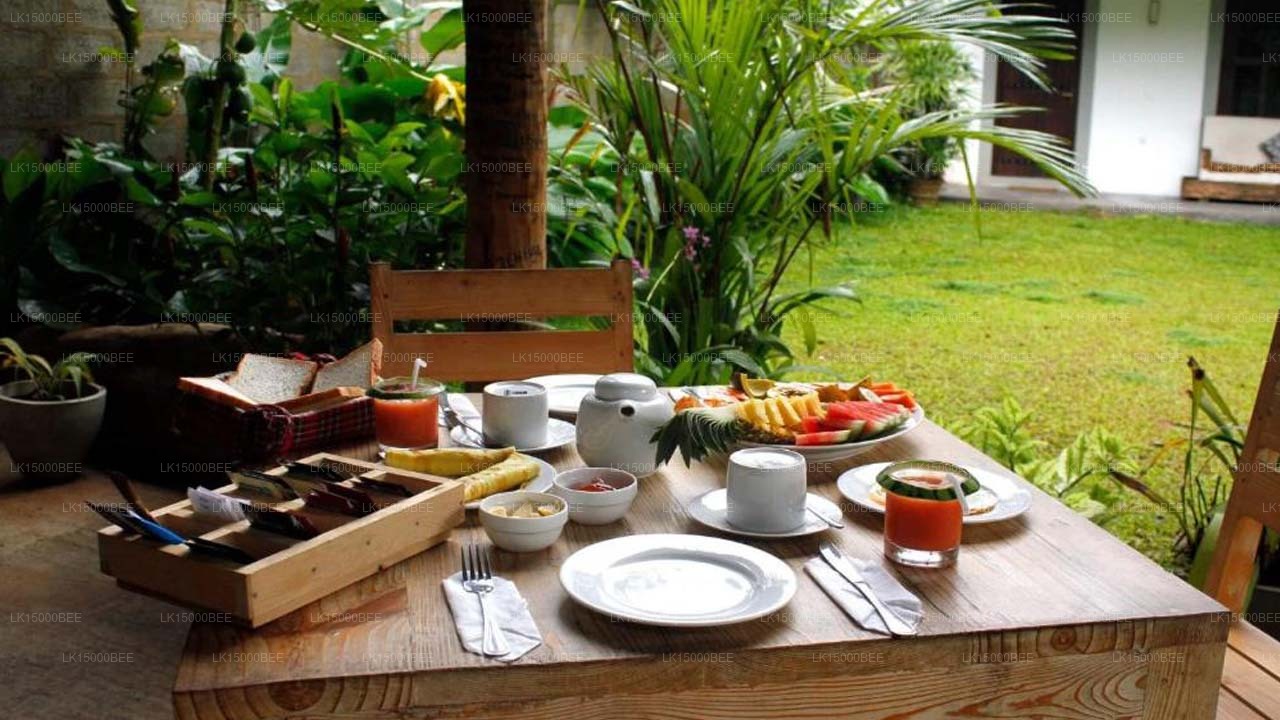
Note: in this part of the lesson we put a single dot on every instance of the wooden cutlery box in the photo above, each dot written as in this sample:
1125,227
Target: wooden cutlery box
286,574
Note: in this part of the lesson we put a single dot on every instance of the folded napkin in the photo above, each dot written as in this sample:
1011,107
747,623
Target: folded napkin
512,613
466,410
886,587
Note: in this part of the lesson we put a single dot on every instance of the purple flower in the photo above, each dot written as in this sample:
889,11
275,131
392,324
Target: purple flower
639,269
690,233
690,252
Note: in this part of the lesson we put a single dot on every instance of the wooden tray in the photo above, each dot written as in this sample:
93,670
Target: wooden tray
287,573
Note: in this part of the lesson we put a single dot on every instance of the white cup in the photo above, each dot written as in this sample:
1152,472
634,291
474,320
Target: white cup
515,413
767,489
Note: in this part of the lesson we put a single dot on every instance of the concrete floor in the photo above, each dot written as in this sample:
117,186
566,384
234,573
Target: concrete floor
1037,198
73,646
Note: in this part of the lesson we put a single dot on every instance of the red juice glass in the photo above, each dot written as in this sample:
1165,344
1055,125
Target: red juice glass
406,416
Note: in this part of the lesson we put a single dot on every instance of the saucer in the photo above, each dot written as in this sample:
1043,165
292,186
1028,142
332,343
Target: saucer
711,510
559,434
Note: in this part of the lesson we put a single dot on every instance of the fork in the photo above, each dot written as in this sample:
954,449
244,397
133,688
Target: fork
477,578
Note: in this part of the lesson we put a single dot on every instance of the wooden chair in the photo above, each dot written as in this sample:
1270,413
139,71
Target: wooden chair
503,296
1251,671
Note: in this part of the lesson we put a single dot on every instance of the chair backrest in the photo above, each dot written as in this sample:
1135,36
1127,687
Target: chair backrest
503,296
1255,496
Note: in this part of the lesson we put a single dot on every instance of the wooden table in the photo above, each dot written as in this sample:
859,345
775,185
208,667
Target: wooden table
1043,616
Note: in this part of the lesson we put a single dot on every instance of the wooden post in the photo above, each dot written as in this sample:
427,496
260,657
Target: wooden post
506,133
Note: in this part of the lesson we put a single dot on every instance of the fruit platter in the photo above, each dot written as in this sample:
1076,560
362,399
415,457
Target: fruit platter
822,421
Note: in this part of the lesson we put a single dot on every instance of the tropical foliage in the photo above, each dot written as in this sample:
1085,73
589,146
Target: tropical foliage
274,234
1097,472
731,136
63,380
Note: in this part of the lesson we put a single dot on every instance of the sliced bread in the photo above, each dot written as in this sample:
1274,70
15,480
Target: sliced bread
215,390
269,379
359,369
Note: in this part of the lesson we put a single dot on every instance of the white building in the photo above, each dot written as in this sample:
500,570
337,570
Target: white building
1133,102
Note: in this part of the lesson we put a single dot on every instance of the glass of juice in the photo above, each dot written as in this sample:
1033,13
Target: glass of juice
406,416
923,513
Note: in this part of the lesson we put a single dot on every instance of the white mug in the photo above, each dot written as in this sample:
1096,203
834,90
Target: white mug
767,489
515,413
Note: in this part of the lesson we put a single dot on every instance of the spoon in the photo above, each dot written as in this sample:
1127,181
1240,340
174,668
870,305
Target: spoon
452,419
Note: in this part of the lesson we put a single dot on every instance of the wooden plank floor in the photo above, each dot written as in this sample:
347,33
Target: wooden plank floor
72,645
1250,675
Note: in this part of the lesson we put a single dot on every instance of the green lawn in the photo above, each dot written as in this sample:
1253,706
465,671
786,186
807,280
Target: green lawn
1084,320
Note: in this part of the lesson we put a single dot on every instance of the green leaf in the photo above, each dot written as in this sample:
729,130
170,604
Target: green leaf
21,172
446,34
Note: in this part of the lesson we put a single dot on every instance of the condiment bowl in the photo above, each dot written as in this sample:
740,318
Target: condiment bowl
523,534
596,508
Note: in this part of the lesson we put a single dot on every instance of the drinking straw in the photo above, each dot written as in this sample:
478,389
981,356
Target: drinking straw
418,364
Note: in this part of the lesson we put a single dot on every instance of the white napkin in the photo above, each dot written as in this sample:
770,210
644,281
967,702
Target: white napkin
466,410
509,606
886,587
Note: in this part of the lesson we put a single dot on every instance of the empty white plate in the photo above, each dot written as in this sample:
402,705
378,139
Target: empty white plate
565,392
678,580
559,434
1004,497
712,509
542,483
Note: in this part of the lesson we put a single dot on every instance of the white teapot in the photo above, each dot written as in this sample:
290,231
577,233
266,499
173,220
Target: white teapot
615,423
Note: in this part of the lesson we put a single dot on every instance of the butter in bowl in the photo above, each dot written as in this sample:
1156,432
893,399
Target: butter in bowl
523,521
596,496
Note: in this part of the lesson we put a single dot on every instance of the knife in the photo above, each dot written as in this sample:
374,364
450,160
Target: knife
841,565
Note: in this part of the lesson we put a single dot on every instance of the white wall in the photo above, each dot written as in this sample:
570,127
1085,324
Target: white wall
1141,99
1148,97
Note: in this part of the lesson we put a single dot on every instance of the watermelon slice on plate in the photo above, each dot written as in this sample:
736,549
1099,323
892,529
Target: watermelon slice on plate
830,437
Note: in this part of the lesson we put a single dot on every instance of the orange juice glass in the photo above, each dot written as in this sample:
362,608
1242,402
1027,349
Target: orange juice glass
406,415
923,517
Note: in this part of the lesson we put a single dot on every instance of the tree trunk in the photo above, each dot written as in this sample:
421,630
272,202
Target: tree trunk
506,133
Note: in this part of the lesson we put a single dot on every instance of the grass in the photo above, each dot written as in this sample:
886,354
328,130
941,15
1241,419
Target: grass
1085,320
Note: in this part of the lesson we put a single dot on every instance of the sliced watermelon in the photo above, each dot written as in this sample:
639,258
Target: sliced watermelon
880,427
812,424
861,410
884,387
831,437
855,427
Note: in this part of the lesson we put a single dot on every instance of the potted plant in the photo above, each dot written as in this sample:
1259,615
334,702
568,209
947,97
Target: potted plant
927,77
49,420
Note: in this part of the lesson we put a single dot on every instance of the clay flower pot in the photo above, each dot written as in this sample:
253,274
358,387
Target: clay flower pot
46,438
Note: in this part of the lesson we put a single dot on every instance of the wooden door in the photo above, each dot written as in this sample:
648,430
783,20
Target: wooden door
1059,115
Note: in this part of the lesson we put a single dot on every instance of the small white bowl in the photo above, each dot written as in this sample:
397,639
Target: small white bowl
596,508
523,534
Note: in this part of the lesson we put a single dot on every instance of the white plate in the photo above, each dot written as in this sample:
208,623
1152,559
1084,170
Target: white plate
559,434
565,392
542,483
712,508
1012,499
830,453
678,580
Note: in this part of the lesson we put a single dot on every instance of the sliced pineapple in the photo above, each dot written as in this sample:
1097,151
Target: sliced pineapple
775,415
790,417
752,412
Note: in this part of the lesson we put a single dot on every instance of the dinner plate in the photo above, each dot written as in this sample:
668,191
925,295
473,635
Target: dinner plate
565,392
843,451
678,580
1006,498
712,508
542,483
559,434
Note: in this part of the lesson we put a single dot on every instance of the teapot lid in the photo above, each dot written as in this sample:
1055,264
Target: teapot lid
625,386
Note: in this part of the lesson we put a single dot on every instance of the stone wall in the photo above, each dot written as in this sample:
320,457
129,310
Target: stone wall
57,82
